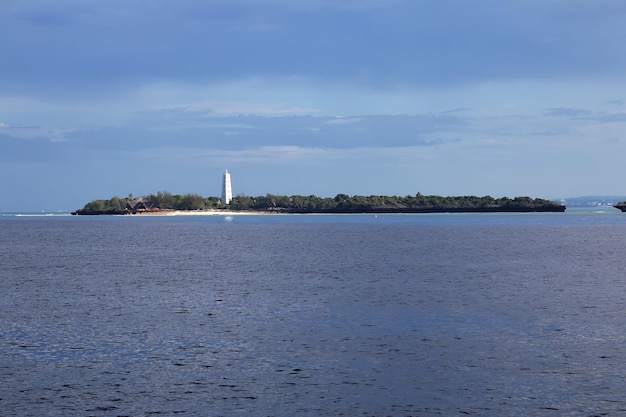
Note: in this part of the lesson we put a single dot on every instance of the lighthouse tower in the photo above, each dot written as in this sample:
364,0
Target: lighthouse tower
227,189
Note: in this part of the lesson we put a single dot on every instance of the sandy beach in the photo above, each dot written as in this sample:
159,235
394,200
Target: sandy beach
200,213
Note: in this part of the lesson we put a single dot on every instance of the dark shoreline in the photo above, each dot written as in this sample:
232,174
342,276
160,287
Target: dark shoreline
557,209
340,204
550,209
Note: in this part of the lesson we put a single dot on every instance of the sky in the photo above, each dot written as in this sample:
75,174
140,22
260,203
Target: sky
108,98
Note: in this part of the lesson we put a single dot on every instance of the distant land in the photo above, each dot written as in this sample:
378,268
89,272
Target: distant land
164,201
592,201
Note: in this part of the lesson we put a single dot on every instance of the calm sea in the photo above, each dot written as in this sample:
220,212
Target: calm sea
287,315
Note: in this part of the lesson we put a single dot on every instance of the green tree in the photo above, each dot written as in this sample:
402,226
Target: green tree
116,203
95,205
242,202
191,202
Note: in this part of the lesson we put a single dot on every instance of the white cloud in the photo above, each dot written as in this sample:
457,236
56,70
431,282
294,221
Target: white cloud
30,133
230,108
343,120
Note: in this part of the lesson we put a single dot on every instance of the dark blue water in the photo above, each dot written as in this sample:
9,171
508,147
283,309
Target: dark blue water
398,315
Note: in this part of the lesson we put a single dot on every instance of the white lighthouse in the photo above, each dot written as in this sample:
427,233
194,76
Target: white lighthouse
227,189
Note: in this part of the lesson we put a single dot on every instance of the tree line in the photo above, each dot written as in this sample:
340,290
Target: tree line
341,203
163,200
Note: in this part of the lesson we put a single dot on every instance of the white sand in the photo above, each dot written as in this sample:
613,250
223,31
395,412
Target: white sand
200,213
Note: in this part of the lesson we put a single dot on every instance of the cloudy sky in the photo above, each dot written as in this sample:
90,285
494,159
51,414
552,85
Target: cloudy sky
450,97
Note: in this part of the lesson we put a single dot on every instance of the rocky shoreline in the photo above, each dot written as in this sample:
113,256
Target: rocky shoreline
621,206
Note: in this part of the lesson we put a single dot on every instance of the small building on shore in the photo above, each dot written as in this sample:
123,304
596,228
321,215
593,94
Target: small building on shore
140,205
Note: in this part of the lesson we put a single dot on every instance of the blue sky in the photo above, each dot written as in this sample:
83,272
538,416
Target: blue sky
449,97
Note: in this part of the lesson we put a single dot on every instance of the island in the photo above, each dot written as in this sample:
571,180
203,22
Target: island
163,201
621,206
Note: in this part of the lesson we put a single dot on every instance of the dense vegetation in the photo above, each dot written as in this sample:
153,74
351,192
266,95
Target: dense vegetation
341,203
163,200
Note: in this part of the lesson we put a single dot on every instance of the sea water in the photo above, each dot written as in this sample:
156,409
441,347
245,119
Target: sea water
284,315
